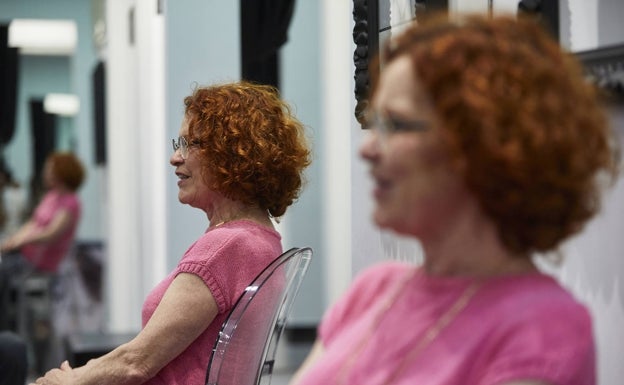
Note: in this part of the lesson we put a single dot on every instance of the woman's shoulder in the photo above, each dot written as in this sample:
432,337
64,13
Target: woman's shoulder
539,300
368,290
536,289
535,327
373,283
63,199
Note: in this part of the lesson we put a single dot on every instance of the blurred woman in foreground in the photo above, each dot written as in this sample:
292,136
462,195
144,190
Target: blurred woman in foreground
488,146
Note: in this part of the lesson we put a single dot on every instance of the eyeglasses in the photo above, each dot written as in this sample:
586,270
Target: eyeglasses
388,125
181,144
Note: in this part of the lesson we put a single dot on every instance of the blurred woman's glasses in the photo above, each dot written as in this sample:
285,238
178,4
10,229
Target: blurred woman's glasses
181,144
388,125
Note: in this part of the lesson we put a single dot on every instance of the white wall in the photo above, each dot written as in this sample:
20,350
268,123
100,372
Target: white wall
594,271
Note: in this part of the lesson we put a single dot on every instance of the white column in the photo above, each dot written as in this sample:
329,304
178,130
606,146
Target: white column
123,280
152,152
137,158
338,104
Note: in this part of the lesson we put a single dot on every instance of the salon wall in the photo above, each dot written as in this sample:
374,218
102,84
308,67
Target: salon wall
593,269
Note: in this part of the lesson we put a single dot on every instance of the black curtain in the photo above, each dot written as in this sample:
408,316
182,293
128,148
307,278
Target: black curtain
9,65
264,29
99,112
43,127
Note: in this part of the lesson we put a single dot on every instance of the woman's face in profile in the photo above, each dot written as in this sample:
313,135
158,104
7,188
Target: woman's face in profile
413,183
49,179
192,188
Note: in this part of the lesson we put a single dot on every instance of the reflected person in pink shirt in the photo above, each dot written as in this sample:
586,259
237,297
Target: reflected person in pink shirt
43,242
47,236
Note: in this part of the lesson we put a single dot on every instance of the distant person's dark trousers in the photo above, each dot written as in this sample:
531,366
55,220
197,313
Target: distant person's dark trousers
13,359
12,266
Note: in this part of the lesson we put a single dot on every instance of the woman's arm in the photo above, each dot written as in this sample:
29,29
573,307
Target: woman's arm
28,234
185,311
61,221
315,353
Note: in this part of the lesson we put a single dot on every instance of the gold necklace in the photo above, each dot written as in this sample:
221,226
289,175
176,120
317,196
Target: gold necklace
430,334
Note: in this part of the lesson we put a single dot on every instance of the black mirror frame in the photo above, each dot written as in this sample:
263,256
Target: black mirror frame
365,16
366,38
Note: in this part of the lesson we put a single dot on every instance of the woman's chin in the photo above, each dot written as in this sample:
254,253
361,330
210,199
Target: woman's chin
381,220
182,198
385,222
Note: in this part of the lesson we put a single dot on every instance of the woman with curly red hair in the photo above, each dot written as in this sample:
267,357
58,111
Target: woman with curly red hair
488,146
239,158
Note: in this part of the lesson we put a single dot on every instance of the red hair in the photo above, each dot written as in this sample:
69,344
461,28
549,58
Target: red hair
253,148
67,168
518,116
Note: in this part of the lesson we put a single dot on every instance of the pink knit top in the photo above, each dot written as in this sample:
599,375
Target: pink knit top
227,258
48,256
517,327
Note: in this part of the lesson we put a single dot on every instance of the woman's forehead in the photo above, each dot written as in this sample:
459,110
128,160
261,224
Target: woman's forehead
399,88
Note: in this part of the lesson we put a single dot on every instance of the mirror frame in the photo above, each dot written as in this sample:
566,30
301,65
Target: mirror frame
366,38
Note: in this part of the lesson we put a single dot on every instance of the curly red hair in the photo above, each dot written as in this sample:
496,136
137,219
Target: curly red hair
520,121
254,149
67,168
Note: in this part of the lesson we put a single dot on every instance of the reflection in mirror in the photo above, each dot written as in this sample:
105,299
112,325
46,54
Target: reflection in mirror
45,47
51,110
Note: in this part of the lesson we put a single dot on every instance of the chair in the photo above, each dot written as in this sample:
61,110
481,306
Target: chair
244,352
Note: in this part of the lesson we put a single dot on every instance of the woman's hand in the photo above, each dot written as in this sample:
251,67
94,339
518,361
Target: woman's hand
9,244
60,376
18,239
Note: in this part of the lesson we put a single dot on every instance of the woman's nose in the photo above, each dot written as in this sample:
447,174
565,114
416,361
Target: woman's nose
176,158
371,146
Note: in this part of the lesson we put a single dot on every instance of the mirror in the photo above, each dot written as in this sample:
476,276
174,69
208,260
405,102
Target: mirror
43,105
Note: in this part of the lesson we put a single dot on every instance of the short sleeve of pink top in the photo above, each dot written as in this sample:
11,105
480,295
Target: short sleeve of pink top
517,327
48,256
227,258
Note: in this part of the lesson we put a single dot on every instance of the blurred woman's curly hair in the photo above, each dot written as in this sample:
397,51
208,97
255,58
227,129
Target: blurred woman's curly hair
521,123
67,168
253,148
